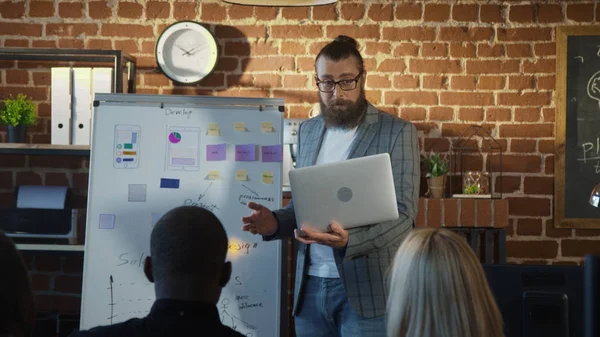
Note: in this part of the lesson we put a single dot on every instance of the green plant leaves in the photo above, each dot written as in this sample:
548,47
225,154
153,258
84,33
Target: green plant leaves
18,111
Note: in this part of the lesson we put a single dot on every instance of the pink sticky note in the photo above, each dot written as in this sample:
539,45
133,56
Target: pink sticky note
216,152
272,153
245,152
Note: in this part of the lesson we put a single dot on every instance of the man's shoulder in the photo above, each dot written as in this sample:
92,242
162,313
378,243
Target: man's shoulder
119,329
396,123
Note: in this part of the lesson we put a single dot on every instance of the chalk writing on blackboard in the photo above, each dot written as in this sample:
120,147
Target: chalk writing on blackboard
593,87
598,51
579,57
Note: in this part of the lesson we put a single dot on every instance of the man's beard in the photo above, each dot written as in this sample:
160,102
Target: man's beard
344,114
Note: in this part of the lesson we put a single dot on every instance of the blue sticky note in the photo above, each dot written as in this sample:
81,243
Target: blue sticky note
272,153
107,221
245,152
169,183
216,152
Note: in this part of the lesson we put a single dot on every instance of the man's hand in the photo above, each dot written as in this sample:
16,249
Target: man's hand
337,237
261,221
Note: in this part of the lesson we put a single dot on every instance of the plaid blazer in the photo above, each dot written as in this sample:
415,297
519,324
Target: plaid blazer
363,264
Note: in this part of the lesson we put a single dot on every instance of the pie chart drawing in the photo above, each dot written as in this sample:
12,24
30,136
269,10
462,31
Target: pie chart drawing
174,137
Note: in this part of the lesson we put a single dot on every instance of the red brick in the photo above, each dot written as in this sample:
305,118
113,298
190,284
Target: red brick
529,206
16,43
380,12
70,43
434,212
508,184
539,185
409,11
436,145
441,114
524,34
66,162
408,33
500,213
521,13
127,30
268,13
490,50
463,82
308,31
497,114
435,82
373,48
455,34
57,179
466,98
406,49
157,10
36,94
289,13
241,32
130,10
540,66
519,163
17,76
99,44
579,248
532,249
47,263
491,82
545,49
128,46
553,232
518,50
40,282
587,232
434,66
11,10
456,130
6,180
362,32
406,82
378,81
391,65
59,303
72,264
70,10
297,96
185,10
546,146
470,114
352,11
484,213
269,63
305,64
413,114
294,81
20,29
545,82
492,67
491,13
520,82
549,165
43,44
462,50
531,99
293,48
527,130
67,284
466,13
421,219
527,114
41,9
434,49
451,212
467,212
410,97
522,145
437,12
324,13
580,12
213,12
99,9
550,13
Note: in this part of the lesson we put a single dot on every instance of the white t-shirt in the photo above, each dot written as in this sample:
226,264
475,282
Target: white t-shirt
335,147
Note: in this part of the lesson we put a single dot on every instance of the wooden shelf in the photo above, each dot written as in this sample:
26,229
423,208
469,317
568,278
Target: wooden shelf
45,149
50,247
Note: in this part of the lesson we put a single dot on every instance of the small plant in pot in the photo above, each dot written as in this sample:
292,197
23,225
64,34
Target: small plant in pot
437,168
18,114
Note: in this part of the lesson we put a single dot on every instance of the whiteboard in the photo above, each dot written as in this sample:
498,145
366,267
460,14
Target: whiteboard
151,153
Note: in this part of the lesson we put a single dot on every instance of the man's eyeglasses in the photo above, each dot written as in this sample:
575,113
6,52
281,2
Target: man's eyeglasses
346,84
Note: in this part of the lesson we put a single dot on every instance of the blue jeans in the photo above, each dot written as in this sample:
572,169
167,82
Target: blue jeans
326,311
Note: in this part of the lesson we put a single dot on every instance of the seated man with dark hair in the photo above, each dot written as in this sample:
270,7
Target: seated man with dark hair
17,310
188,247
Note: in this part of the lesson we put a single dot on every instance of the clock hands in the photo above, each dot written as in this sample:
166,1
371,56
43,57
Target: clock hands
185,51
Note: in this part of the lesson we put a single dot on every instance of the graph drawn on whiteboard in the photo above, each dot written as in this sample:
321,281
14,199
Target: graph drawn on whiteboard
183,148
126,146
127,299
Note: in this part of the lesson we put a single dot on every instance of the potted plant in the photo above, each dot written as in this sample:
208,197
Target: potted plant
17,114
437,168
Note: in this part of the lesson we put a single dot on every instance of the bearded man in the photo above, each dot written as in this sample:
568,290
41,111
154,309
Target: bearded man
340,287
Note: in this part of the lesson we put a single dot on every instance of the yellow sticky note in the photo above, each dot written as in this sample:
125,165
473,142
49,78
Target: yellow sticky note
266,126
213,175
213,129
239,126
267,177
241,175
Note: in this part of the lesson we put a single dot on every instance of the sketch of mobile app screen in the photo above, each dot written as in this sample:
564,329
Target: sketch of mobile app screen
183,148
126,151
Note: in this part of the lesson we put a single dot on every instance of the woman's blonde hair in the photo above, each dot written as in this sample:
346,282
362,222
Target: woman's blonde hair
438,289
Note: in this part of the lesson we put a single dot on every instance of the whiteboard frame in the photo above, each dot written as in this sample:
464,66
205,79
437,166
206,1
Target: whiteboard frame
282,319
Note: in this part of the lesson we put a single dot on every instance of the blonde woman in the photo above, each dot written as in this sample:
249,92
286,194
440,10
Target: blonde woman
438,289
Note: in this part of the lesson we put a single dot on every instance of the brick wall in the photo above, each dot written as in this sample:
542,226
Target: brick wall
442,66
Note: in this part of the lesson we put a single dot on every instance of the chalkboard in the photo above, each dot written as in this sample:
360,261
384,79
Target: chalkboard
577,157
151,153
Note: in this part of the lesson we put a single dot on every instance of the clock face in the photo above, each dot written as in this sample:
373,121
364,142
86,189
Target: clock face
186,52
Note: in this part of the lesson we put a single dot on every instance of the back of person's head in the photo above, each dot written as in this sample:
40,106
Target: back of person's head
17,312
341,48
188,247
438,289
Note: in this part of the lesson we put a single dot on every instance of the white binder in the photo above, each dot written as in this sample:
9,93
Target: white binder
60,105
82,105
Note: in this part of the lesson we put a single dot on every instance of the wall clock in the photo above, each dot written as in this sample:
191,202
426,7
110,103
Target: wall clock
186,52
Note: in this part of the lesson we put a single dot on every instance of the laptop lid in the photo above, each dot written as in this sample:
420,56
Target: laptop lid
354,192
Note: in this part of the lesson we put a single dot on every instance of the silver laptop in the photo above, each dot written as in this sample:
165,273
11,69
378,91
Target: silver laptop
352,193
